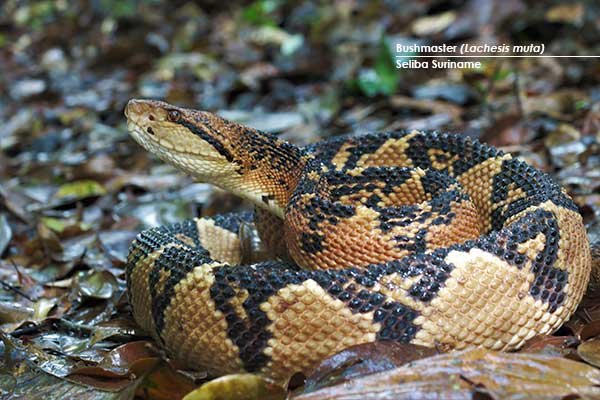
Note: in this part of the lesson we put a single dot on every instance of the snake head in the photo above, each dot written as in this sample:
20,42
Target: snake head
188,139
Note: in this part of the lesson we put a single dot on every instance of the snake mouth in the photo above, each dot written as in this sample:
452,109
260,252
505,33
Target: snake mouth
155,145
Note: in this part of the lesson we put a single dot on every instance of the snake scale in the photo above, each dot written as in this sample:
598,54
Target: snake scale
419,237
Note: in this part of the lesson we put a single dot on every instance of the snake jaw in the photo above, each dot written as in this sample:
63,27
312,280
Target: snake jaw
164,130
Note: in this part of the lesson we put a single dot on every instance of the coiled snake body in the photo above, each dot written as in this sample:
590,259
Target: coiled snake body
432,239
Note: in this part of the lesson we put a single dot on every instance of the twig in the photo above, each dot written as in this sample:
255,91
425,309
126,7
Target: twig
9,287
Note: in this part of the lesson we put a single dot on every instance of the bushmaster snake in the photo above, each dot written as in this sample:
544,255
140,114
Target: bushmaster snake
427,238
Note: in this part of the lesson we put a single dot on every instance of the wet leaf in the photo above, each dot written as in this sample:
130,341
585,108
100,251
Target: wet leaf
590,330
426,106
37,385
165,384
11,312
27,88
455,93
261,12
42,307
590,351
566,13
288,43
48,241
115,327
5,233
273,122
467,373
95,284
564,346
362,360
55,224
433,24
119,367
237,387
557,105
116,243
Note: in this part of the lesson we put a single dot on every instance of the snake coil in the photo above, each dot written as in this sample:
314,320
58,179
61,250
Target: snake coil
427,238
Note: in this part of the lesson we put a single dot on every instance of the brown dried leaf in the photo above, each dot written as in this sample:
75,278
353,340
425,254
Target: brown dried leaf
364,359
475,371
590,352
590,330
560,346
165,383
119,368
429,106
559,104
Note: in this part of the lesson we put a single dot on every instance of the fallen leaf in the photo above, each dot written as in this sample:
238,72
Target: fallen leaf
237,387
571,13
364,359
80,190
119,367
590,351
590,330
12,312
433,24
464,374
165,383
5,233
95,284
563,346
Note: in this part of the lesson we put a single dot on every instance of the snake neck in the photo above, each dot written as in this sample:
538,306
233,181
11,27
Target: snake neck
244,161
267,169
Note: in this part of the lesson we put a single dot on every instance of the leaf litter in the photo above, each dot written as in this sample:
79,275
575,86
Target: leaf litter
75,189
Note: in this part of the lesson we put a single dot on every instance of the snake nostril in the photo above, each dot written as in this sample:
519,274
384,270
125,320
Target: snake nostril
150,130
151,117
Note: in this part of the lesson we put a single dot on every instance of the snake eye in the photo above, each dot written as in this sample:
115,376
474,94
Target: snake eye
174,115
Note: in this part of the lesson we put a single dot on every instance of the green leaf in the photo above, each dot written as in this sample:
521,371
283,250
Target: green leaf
238,387
383,78
80,189
261,12
57,225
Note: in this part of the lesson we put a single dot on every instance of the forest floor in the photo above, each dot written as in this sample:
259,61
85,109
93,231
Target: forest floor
75,189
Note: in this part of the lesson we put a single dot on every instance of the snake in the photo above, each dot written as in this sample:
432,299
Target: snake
428,238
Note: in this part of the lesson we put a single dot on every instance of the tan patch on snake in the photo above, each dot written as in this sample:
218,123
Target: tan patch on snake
396,287
341,157
485,302
223,245
198,334
237,302
391,153
185,239
441,160
409,192
309,326
533,247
